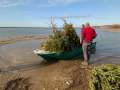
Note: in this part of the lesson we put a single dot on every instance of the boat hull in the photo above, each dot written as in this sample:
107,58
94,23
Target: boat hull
67,55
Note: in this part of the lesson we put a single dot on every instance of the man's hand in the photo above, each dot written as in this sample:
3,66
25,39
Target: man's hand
81,42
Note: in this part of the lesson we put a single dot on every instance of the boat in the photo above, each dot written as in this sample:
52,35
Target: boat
65,55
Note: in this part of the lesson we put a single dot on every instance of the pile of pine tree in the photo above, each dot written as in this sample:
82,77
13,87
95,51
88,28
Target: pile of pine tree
105,77
62,40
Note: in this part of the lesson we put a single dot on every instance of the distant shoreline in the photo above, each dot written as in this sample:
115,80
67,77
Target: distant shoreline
113,28
109,29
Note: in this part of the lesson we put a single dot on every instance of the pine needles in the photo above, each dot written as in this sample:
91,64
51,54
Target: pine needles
62,40
105,77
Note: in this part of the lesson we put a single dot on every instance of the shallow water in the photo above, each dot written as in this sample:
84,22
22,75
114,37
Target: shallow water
19,53
108,48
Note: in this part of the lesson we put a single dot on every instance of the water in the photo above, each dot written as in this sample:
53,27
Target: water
108,47
13,32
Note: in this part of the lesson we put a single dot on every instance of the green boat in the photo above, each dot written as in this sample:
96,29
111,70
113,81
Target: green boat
66,55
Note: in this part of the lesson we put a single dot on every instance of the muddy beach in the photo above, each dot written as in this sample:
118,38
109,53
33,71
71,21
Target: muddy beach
62,75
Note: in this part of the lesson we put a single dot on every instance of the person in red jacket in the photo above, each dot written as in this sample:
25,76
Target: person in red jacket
87,35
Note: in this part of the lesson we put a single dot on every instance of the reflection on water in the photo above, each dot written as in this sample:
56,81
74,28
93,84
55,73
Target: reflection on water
108,51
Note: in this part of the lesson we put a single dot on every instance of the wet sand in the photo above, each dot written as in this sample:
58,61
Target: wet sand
62,75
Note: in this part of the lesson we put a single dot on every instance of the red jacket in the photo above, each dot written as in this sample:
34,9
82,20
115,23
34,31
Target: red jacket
88,34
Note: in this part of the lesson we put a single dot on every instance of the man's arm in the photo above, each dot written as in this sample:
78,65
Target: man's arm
81,36
94,34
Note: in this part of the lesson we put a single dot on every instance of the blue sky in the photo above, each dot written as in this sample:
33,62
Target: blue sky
35,13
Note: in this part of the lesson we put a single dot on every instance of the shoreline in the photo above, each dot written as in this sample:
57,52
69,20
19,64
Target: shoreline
21,38
110,29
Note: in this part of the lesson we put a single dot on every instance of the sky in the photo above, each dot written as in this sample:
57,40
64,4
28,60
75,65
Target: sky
37,13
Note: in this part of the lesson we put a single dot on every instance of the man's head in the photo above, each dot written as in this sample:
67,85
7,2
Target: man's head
83,25
87,24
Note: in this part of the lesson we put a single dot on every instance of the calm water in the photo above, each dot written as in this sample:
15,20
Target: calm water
12,32
108,47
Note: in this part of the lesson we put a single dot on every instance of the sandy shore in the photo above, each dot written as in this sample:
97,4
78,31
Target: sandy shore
62,75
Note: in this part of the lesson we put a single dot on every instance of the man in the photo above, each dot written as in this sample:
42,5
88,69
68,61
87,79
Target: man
81,33
87,36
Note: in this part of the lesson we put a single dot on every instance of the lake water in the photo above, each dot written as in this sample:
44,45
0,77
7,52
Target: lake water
19,53
13,32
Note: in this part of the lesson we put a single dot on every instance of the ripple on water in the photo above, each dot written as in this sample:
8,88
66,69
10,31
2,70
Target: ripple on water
19,53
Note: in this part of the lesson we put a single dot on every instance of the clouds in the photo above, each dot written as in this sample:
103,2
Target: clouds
50,3
65,2
40,3
10,3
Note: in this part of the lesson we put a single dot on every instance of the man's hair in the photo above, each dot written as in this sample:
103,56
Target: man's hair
87,24
83,25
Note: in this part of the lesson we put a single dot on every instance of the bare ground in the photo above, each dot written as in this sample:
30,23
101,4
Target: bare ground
62,75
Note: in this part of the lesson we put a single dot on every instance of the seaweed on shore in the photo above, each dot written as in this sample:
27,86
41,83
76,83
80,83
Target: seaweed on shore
105,77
